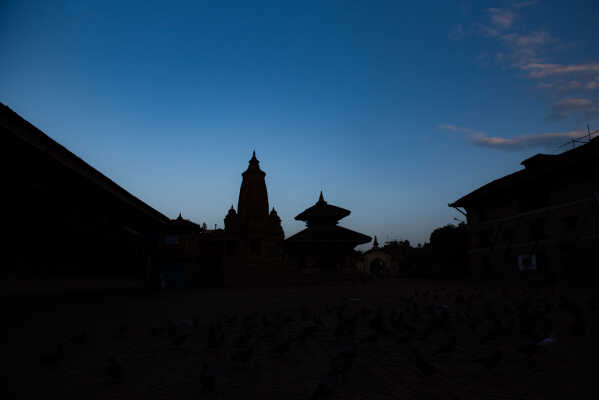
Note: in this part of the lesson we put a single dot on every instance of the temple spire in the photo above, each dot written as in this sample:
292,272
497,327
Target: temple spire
321,198
375,245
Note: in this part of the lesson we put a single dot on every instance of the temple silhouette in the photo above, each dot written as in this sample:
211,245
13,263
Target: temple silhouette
323,244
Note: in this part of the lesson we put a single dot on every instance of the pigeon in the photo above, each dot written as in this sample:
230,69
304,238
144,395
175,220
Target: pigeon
342,363
578,326
172,328
448,347
425,367
207,380
490,360
114,370
371,338
179,341
54,357
323,390
305,313
122,332
528,349
243,356
80,338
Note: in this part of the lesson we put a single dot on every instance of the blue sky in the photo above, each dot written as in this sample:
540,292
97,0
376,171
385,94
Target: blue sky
394,110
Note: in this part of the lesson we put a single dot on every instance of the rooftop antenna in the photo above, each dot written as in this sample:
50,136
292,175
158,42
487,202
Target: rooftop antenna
590,133
582,139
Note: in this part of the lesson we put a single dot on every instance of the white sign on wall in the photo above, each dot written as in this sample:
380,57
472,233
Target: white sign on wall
527,262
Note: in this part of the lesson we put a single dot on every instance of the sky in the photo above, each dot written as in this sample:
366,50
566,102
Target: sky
392,109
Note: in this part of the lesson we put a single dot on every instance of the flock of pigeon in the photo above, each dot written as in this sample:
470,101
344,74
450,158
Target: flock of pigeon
438,343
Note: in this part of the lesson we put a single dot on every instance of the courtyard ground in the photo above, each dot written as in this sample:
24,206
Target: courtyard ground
405,338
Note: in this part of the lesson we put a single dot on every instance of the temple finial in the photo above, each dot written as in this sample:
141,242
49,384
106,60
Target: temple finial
376,243
321,198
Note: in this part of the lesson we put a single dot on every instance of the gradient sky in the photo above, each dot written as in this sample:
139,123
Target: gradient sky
393,110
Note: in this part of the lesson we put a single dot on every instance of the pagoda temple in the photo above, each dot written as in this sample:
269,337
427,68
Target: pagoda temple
254,236
323,244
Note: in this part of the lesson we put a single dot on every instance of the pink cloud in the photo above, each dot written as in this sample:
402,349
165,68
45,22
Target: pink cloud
480,138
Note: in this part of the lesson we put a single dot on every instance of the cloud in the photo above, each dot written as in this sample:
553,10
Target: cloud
502,18
561,85
566,107
533,39
547,140
592,85
540,70
524,4
570,89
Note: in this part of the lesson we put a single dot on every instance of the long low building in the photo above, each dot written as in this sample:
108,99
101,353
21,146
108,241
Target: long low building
542,220
63,217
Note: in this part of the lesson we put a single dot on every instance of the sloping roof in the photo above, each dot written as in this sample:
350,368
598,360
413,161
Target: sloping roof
322,210
329,234
537,166
12,123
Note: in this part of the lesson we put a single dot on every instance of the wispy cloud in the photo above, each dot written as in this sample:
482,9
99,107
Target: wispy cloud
480,138
524,4
502,18
571,88
539,70
564,108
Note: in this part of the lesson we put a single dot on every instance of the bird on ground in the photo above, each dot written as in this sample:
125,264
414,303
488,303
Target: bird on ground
343,362
282,347
178,341
216,337
171,328
529,349
122,332
318,321
307,333
243,356
323,390
579,326
114,370
207,380
53,357
305,313
421,364
490,360
448,347
371,338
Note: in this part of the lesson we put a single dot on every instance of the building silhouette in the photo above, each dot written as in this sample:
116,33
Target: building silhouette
63,217
253,235
323,244
542,220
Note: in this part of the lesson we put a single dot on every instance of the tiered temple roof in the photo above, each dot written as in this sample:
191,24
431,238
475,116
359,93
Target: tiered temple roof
322,219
